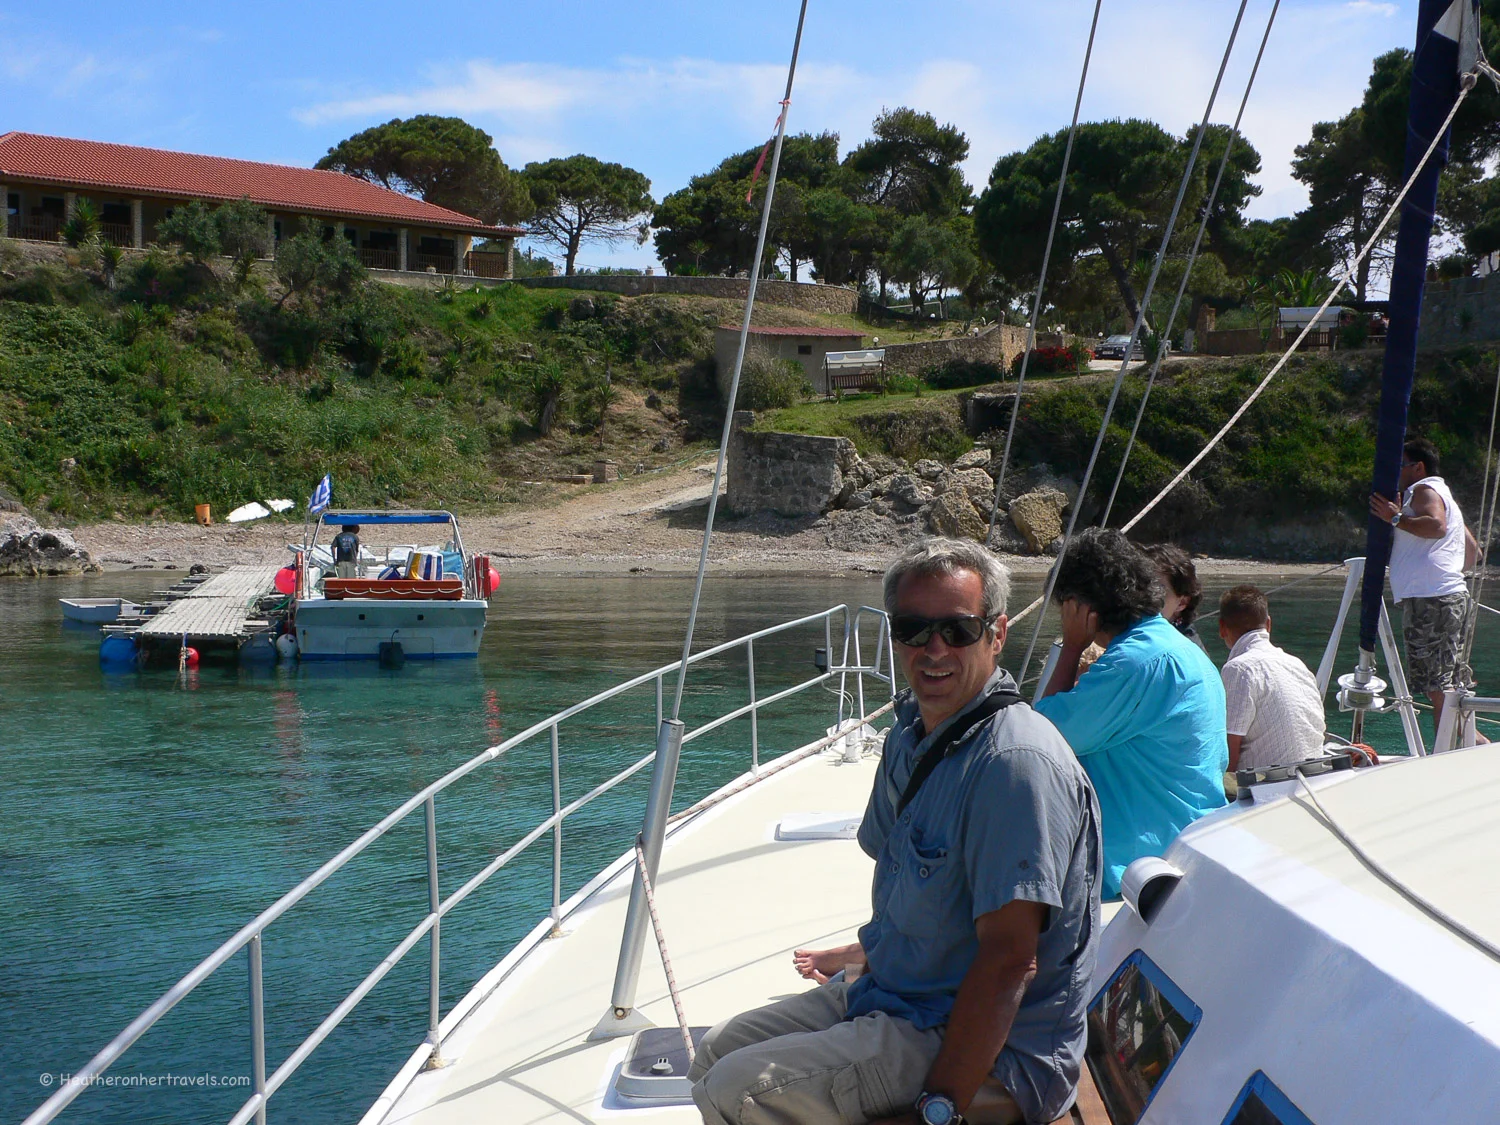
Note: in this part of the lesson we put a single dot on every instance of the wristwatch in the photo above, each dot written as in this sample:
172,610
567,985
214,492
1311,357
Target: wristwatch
938,1109
1396,520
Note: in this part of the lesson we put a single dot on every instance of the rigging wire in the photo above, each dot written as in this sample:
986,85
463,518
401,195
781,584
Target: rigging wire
1468,85
1036,302
739,362
1390,879
1192,259
1487,529
1135,332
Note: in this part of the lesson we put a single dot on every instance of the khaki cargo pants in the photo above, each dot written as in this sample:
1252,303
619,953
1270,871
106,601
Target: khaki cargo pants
799,1062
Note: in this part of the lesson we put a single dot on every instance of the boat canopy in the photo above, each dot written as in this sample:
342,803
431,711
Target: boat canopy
387,517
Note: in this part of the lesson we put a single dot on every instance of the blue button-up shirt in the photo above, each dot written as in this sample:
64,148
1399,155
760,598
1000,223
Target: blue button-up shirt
1007,815
1147,720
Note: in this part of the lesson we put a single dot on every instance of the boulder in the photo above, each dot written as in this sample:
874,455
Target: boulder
862,472
906,490
881,485
928,469
860,499
977,483
952,515
1038,517
28,549
975,458
884,466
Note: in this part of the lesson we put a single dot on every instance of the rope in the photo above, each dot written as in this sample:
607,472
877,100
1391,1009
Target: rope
1036,302
1306,578
1389,879
1140,319
739,363
1192,260
661,944
1297,343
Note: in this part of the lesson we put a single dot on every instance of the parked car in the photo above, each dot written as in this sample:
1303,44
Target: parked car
1113,347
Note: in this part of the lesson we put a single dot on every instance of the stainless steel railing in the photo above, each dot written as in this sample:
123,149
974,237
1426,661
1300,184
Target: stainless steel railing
249,938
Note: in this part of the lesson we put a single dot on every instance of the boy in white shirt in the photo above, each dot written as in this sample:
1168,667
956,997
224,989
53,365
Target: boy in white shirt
1275,713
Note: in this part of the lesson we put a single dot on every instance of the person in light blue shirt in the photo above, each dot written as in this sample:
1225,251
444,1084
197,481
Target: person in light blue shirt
1147,720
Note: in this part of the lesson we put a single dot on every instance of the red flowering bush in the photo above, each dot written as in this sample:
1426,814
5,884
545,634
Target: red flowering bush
1051,360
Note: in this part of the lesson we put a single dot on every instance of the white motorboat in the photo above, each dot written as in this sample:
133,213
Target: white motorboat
96,611
377,608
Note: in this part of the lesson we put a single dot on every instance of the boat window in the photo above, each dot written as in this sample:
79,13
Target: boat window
1138,1025
1262,1103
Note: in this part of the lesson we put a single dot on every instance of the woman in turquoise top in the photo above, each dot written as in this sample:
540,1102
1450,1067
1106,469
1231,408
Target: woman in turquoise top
1147,721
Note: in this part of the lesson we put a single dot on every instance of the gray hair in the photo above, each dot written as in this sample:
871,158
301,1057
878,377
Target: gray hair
948,556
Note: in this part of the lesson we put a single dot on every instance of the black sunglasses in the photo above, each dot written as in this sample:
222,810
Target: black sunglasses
958,632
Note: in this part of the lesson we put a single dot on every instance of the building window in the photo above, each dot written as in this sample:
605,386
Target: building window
804,349
13,203
1138,1026
352,235
52,205
115,213
380,240
443,246
1262,1103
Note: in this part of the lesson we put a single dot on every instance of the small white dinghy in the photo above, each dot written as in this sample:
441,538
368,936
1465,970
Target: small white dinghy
95,611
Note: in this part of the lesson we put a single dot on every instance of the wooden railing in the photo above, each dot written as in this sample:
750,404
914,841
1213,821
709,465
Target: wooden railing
482,264
35,228
380,259
117,234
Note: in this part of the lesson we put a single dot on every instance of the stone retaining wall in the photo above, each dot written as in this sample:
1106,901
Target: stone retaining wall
999,344
789,474
791,294
1461,311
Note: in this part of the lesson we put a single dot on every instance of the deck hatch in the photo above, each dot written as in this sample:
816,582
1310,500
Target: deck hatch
656,1066
1138,1026
1261,1102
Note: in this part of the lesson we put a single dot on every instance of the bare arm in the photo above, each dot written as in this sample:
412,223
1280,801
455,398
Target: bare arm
1429,518
1080,624
1471,550
1236,741
987,1000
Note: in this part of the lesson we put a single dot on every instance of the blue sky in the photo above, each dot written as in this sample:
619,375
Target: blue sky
671,87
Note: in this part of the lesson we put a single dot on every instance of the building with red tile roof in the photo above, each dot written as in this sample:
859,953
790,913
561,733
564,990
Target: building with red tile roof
133,189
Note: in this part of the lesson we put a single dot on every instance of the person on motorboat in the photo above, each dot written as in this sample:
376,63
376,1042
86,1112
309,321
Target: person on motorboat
1181,590
1429,554
977,958
1274,709
1148,719
346,552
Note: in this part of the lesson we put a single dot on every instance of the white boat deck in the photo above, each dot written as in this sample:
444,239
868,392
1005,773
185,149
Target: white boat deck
734,903
218,608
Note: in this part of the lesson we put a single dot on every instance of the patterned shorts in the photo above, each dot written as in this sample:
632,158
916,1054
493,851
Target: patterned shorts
1433,629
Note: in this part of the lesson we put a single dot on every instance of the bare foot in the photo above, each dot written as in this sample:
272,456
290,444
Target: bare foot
820,964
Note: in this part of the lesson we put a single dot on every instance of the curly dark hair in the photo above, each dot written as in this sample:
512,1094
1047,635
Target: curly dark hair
1111,574
1175,568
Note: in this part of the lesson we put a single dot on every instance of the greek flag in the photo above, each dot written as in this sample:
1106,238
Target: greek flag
322,495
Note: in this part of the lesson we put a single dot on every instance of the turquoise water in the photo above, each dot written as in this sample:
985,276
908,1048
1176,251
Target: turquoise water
148,817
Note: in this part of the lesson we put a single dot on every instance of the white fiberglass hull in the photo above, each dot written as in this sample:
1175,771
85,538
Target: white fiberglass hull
355,628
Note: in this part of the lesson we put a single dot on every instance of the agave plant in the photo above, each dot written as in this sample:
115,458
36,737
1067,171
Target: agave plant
110,256
83,227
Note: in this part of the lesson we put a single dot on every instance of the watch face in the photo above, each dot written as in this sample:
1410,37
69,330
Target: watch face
938,1110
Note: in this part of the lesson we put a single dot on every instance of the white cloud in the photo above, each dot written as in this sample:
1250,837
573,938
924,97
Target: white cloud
1371,7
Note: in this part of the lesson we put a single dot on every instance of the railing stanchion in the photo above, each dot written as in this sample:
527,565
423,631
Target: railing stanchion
859,678
658,703
257,1028
434,900
556,839
754,716
621,1018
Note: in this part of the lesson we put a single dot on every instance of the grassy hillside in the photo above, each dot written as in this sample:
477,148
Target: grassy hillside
178,387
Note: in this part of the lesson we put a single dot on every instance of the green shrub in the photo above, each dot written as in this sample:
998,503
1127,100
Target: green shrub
957,373
769,384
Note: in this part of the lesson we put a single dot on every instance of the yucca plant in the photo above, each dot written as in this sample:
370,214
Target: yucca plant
110,257
83,227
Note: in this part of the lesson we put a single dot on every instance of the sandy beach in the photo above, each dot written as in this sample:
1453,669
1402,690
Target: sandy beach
651,524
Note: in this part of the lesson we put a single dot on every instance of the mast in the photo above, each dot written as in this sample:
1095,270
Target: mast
1446,51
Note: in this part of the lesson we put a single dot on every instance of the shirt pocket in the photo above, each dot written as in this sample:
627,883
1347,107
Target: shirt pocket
924,894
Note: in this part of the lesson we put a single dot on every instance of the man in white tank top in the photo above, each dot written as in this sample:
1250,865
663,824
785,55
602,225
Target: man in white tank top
1431,551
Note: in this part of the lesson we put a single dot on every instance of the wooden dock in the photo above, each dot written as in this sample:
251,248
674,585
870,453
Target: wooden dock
220,609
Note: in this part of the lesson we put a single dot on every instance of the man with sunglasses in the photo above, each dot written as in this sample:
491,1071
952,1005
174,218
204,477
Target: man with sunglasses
985,907
1148,721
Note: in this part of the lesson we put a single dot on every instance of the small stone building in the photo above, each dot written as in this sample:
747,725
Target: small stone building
803,344
133,189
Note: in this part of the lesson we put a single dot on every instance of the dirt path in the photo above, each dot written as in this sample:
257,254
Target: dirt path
646,524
